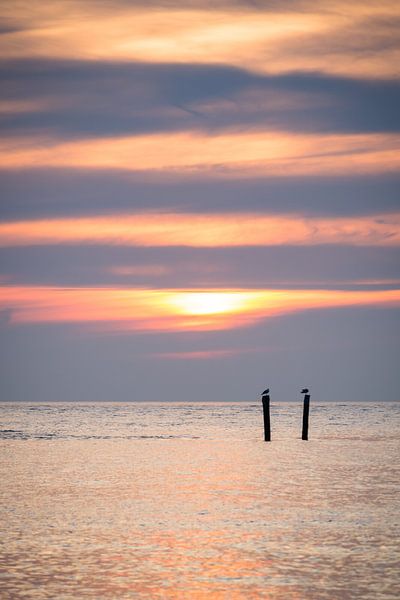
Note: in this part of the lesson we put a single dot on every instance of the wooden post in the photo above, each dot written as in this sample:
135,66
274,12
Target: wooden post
306,411
267,423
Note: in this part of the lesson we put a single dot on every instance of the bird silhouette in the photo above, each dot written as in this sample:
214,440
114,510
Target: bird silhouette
265,392
304,391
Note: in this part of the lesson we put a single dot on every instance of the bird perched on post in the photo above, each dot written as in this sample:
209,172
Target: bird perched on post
265,392
304,391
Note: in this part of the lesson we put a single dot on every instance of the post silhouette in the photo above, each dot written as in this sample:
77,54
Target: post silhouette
267,422
306,412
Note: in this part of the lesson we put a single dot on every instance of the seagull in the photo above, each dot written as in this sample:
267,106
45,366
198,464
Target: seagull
304,391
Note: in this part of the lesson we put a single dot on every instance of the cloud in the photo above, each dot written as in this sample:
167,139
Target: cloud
262,153
73,99
139,270
346,267
205,231
127,310
328,37
43,193
199,354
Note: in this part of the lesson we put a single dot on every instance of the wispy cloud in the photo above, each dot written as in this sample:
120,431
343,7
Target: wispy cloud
174,310
205,230
328,36
138,270
199,354
229,154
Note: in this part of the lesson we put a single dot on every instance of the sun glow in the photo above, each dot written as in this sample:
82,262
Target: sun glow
209,303
122,309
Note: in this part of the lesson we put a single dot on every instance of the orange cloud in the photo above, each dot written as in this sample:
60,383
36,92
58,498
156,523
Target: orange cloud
173,310
205,230
327,36
228,154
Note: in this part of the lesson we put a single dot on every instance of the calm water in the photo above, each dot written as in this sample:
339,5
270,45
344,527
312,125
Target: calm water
187,501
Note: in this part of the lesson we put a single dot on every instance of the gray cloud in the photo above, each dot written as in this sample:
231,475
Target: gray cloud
38,193
84,99
286,267
322,348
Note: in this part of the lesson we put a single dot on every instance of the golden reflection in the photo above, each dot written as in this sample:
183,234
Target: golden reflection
217,516
173,310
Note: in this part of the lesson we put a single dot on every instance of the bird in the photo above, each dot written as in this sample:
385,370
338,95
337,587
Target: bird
265,392
304,391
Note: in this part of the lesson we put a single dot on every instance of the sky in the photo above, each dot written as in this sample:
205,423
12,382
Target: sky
199,200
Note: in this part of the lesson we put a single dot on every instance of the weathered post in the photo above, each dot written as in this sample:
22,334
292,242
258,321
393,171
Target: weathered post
306,412
267,423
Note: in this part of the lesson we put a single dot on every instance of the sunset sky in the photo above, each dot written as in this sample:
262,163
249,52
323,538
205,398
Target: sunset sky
199,199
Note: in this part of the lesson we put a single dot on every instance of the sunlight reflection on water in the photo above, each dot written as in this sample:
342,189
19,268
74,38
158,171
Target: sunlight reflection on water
187,501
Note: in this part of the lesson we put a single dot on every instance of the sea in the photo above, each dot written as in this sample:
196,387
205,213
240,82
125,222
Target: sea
187,501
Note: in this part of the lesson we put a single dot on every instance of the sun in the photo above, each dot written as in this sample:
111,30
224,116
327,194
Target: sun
209,303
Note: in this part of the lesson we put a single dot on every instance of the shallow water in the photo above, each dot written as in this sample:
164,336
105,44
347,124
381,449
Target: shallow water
187,501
